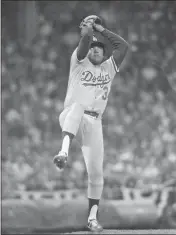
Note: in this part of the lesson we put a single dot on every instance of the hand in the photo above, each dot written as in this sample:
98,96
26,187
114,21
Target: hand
98,27
88,24
86,28
90,20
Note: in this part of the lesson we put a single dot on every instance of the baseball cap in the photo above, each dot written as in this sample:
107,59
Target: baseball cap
97,42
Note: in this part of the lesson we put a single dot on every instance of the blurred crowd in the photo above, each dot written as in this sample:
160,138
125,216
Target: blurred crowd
139,123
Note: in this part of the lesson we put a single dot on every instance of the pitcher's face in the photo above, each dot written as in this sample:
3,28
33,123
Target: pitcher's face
96,55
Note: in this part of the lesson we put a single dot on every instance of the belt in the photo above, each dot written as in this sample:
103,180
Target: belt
91,113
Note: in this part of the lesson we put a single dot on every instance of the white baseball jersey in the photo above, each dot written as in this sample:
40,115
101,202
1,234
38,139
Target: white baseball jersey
90,84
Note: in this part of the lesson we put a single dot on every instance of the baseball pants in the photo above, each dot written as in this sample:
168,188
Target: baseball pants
90,138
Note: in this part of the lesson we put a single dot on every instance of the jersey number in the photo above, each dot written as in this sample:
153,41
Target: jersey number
105,96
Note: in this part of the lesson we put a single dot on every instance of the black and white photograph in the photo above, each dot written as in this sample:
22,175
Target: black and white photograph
88,117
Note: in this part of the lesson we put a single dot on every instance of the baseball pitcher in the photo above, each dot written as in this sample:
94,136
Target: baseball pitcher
89,84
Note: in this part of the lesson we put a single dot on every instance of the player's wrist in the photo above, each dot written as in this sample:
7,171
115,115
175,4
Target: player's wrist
102,29
98,28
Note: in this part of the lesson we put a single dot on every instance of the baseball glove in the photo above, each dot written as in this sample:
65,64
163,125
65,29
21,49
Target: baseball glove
90,19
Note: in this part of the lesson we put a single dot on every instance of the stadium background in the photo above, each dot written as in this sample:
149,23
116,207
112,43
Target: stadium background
38,38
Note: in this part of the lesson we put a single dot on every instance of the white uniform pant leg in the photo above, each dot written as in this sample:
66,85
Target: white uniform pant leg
93,152
70,118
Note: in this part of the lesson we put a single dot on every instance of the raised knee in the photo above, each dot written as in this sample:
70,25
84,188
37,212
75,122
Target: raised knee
76,113
73,119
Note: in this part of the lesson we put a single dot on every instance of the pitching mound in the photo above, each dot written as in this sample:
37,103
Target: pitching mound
113,231
71,216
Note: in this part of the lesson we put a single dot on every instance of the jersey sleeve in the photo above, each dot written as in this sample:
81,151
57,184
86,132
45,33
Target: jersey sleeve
112,66
74,60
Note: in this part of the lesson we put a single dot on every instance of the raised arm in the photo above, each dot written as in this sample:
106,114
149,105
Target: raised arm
120,46
85,41
86,35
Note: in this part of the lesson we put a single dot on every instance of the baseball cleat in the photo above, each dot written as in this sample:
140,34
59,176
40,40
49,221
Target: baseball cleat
60,159
94,226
